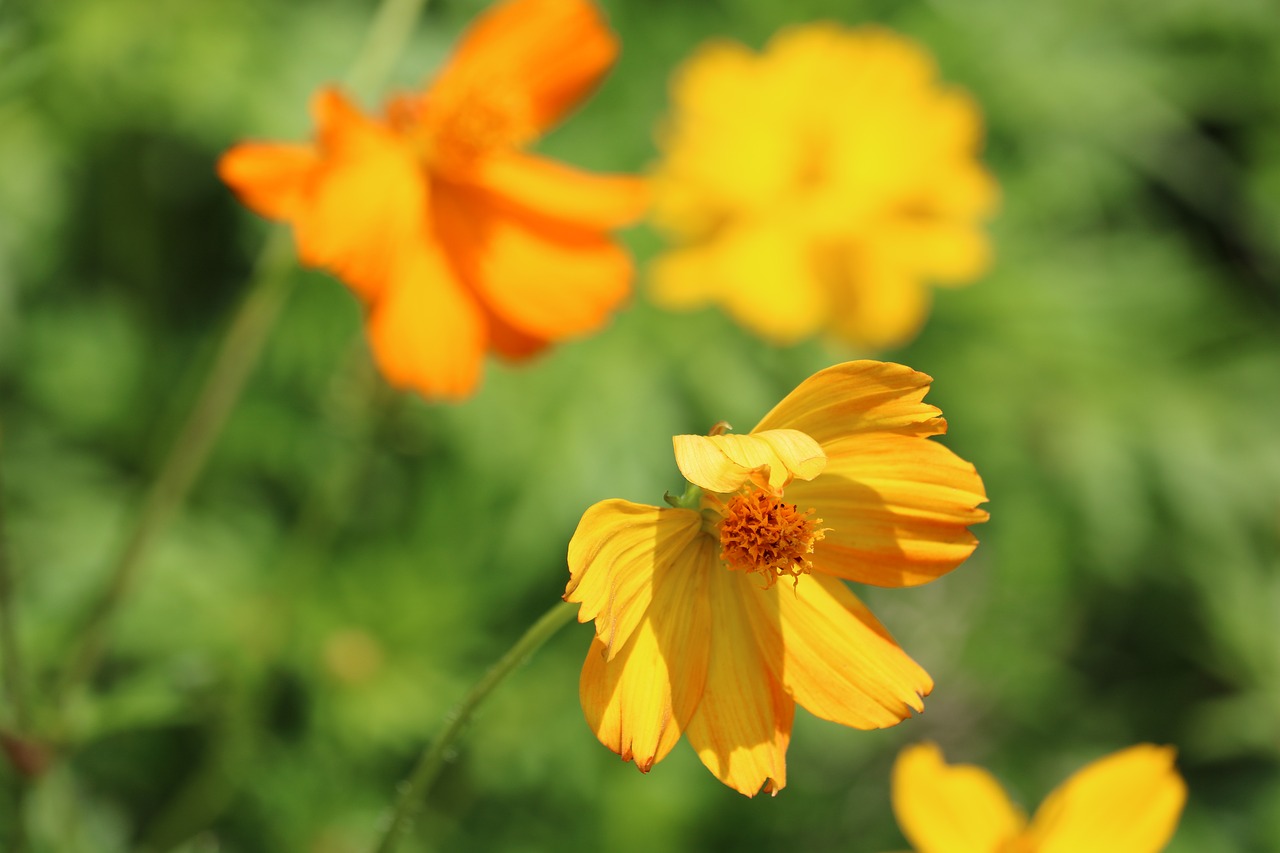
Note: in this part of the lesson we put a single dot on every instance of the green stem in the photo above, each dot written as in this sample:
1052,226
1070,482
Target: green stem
413,791
244,341
269,288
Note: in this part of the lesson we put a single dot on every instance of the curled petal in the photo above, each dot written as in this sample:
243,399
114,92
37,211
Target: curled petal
742,727
834,658
613,557
639,702
858,397
957,808
770,459
1127,802
897,509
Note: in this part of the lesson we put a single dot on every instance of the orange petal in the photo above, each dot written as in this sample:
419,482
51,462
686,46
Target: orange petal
896,509
426,332
770,459
367,202
270,179
945,808
546,279
613,556
857,397
544,56
548,189
835,659
639,702
742,727
1127,802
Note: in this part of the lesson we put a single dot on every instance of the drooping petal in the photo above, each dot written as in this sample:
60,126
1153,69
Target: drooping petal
426,332
554,191
770,459
957,808
639,702
547,279
834,658
896,509
742,727
272,180
857,397
613,557
1127,802
531,59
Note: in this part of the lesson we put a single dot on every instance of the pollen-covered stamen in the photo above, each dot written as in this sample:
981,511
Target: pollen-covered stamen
762,534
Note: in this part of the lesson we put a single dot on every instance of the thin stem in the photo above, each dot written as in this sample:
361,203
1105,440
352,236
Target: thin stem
268,290
10,650
413,791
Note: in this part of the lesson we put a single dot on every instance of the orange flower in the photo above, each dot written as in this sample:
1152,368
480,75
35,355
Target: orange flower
695,635
457,241
1127,802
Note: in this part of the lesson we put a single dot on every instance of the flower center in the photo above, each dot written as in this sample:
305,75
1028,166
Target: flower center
760,533
1020,844
452,129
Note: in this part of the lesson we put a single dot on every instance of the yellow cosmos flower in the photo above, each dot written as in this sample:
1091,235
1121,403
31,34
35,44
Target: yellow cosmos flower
1127,802
694,633
819,184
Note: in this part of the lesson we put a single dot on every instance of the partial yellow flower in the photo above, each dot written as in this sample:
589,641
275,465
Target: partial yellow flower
1127,802
694,633
819,185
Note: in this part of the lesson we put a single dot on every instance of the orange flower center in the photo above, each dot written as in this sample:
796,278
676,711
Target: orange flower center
451,130
760,533
1020,844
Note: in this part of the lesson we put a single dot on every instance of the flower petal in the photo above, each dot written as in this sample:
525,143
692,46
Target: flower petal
945,808
270,179
1127,802
743,725
770,459
896,509
541,57
426,332
549,189
834,658
639,702
613,557
545,278
857,397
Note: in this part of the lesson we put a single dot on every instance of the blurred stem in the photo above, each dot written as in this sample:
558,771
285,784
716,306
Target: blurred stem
268,290
413,791
244,341
10,651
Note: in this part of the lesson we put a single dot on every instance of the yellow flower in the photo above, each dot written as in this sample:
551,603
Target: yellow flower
1127,802
819,184
694,634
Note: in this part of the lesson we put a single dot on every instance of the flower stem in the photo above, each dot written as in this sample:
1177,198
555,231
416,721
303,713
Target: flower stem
413,791
10,650
268,291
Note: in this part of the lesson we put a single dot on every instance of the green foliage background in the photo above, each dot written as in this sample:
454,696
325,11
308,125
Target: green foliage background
352,560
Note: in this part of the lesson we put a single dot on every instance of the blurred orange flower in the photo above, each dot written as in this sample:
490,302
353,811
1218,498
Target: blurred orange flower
456,241
819,185
694,634
1127,802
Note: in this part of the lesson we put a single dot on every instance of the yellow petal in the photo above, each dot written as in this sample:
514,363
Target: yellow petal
612,559
880,299
896,509
724,463
1127,802
836,660
639,702
857,397
743,725
951,808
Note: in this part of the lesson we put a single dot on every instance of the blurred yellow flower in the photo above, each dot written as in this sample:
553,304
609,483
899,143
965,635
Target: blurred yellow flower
819,185
457,241
693,633
1127,802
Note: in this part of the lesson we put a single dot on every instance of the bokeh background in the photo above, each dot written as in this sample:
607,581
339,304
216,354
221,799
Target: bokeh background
353,559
